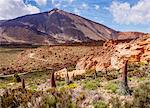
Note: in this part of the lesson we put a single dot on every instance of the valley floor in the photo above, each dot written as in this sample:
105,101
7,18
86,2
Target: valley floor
87,90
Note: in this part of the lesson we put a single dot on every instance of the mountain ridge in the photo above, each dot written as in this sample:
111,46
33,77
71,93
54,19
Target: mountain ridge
56,27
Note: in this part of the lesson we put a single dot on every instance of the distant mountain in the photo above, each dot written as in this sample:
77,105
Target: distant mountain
56,26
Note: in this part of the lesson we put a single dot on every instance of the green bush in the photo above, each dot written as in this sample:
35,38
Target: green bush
49,101
91,84
33,87
70,86
3,85
60,83
16,97
100,104
141,96
17,78
111,86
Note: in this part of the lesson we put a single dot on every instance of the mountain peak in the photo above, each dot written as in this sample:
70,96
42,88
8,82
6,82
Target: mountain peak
56,26
55,9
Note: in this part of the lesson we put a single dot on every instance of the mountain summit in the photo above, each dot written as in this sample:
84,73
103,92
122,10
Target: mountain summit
54,27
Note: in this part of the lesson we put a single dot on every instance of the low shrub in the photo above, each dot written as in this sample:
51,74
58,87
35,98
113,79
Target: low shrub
33,87
3,85
49,101
17,78
16,97
141,96
100,104
71,86
111,86
91,84
60,83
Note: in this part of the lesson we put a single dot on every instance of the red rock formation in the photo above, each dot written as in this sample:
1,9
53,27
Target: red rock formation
114,52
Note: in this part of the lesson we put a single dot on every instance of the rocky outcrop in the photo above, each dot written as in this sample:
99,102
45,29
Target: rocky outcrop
135,51
99,61
62,73
113,55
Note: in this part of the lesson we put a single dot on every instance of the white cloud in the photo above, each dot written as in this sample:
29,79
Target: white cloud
124,13
53,1
13,8
97,7
56,3
84,6
77,11
41,2
59,3
70,1
96,18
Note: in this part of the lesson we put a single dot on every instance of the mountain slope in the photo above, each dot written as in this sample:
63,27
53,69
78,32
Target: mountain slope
53,27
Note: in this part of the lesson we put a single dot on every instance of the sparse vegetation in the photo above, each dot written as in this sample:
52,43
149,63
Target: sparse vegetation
49,101
60,83
141,96
3,86
100,104
33,87
71,86
27,98
17,78
64,94
112,87
86,89
91,84
8,55
71,68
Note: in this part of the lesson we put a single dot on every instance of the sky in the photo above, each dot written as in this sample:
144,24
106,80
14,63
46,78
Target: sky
121,15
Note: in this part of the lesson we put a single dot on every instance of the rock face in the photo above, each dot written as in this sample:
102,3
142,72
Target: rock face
135,51
57,26
99,61
113,55
62,73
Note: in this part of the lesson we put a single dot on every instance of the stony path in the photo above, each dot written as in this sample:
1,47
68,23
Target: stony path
31,55
11,75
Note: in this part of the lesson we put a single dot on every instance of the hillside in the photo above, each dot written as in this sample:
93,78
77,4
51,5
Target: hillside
56,27
47,57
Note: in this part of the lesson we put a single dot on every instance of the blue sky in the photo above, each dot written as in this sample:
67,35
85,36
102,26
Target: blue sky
123,15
